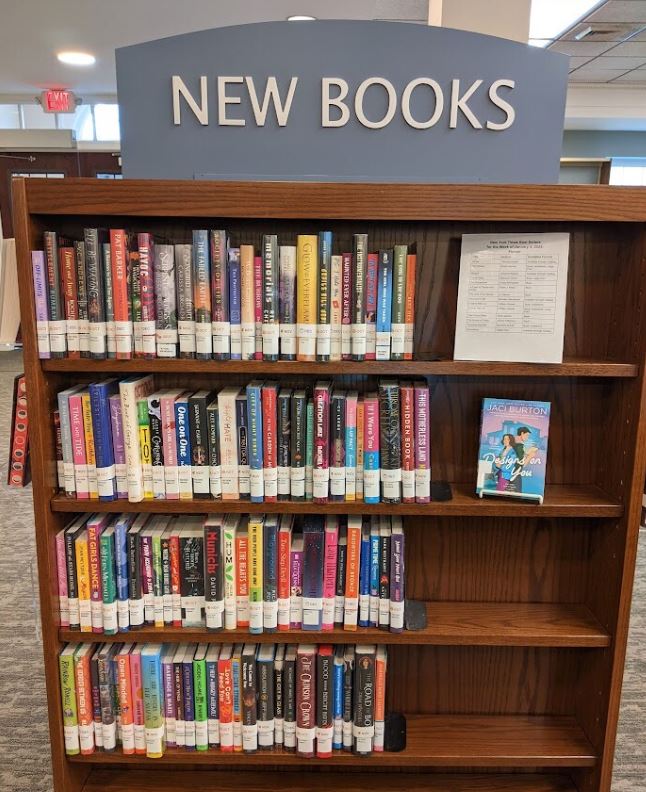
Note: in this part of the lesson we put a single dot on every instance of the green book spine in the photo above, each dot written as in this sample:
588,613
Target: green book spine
145,450
398,327
68,701
158,581
309,452
200,696
108,584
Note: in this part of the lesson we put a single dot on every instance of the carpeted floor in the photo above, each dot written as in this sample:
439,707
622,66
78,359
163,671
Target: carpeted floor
24,748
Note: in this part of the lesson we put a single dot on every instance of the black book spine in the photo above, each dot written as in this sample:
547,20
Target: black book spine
199,444
339,592
270,316
298,443
213,430
242,428
249,703
284,442
364,701
360,259
81,295
384,582
390,442
213,577
323,317
289,707
348,703
135,591
337,446
265,671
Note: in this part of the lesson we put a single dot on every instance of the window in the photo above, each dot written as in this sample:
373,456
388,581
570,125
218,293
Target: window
628,171
106,117
109,176
81,121
89,122
9,116
34,117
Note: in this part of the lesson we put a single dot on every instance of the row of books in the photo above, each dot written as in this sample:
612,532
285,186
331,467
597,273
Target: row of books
117,294
257,572
261,443
244,697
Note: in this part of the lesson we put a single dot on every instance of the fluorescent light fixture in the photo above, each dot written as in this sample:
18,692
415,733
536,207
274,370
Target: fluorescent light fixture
550,18
76,58
300,18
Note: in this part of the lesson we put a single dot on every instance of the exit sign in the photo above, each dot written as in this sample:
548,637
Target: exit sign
58,101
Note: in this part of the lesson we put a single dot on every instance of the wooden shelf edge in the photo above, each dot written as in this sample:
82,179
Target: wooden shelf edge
560,501
402,368
448,624
116,779
432,741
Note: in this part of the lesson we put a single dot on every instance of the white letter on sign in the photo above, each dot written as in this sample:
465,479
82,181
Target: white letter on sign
327,102
504,106
271,95
460,103
201,111
392,102
439,103
224,100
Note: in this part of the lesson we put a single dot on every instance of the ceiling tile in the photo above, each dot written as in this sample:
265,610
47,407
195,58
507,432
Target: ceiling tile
595,75
590,48
638,76
620,11
630,49
608,61
402,10
576,62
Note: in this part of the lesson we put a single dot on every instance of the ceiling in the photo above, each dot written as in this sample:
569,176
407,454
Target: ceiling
32,31
614,50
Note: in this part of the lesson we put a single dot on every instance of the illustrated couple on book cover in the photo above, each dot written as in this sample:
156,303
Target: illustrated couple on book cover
513,448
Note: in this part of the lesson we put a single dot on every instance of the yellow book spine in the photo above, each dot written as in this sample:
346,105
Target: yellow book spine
90,457
82,553
306,295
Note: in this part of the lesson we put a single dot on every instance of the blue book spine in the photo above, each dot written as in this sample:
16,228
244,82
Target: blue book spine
235,303
364,580
121,564
384,304
152,683
106,475
212,703
270,574
374,579
313,556
337,703
184,460
189,702
254,404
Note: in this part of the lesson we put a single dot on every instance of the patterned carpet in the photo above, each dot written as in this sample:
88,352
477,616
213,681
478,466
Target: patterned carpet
24,748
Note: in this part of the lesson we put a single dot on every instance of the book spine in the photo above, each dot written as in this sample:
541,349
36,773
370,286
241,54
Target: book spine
337,700
67,262
323,328
256,592
57,337
166,336
384,578
313,566
279,697
242,429
270,440
364,700
90,455
265,672
184,457
105,260
144,448
296,589
228,444
61,570
237,704
121,573
202,296
270,574
235,303
307,296
324,702
95,294
256,475
287,301
390,441
422,444
96,701
118,446
346,306
108,704
58,441
156,447
153,692
134,285
339,585
137,686
191,553
289,708
77,430
384,304
225,696
188,686
221,319
364,577
284,439
213,709
85,712
94,530
124,698
215,468
257,305
297,446
169,444
283,575
348,685
41,300
338,445
360,258
409,306
213,577
120,293
351,446
158,581
229,558
353,562
167,590
103,442
249,703
374,574
305,701
372,272
135,589
407,397
247,295
178,691
175,579
170,709
197,405
147,328
185,305
359,485
68,704
270,304
130,393
321,467
66,442
309,450
147,583
330,555
399,303
81,295
381,662
201,712
336,296
242,580
397,568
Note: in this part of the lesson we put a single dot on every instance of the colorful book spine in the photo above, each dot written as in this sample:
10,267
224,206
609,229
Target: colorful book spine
256,617
166,336
68,700
409,306
225,694
95,528
61,571
95,293
390,441
321,451
118,446
351,401
364,576
120,293
346,306
351,603
323,328
77,429
85,711
359,486
200,693
110,329
242,429
135,575
242,576
185,305
213,574
81,295
67,262
397,569
381,665
337,699
270,574
270,302
297,445
188,687
221,319
283,571
137,686
324,701
313,567
283,410
296,583
41,301
247,298
134,283
397,346
148,328
249,699
330,555
158,479
147,576
99,393
131,391
337,445
236,664
372,273
153,693
90,446
287,301
229,527
235,303
57,335
121,527
341,566
305,700
202,296
309,450
257,306
144,448
373,564
215,467
170,708
407,398
336,297
228,442
169,443
307,296
124,698
384,304
175,577
254,410
360,259
270,439
422,444
384,573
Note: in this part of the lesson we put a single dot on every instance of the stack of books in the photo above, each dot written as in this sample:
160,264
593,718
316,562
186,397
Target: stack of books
261,443
115,294
234,697
261,573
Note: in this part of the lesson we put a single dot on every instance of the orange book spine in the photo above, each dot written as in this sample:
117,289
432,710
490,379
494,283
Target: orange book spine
380,698
225,699
283,592
409,306
120,293
242,580
124,694
173,546
84,709
351,605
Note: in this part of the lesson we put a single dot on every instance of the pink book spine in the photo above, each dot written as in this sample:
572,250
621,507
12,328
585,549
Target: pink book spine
321,471
296,589
423,443
329,572
136,683
371,306
371,462
346,306
63,603
95,527
169,444
78,447
351,446
257,305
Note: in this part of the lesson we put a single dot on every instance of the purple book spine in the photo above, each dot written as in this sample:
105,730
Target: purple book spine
41,298
397,578
147,578
118,445
235,297
423,445
170,710
296,589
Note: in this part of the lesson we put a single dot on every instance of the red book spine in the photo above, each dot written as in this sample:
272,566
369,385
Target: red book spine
407,396
120,293
305,700
18,469
67,261
270,440
175,583
321,466
346,307
283,589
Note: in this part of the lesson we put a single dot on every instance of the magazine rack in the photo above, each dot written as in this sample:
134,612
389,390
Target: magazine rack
514,684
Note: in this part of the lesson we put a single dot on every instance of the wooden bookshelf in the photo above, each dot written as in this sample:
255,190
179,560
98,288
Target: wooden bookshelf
520,665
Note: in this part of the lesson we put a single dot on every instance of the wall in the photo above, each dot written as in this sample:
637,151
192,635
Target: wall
588,143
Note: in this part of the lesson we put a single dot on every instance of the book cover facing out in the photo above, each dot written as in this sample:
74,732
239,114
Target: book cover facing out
513,448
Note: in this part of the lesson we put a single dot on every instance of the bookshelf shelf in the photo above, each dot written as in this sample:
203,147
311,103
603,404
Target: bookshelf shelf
448,624
527,605
403,368
560,501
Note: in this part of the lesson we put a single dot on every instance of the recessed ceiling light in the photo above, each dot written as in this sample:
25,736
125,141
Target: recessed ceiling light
300,18
76,58
550,18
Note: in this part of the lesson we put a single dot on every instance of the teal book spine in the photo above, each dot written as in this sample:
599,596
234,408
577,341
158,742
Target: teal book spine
153,694
108,582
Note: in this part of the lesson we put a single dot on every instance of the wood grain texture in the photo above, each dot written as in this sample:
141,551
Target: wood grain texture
431,741
448,623
116,779
560,501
